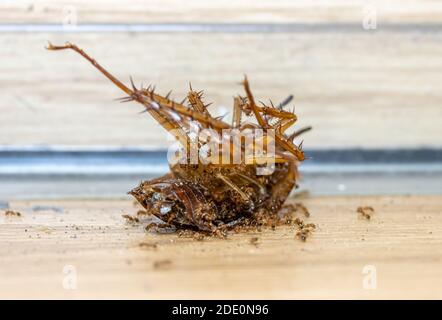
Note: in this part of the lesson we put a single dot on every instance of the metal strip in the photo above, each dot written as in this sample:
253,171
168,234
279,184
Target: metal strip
68,173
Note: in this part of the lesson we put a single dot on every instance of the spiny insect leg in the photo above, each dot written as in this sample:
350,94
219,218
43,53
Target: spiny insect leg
166,123
237,112
287,145
74,47
285,124
182,110
197,104
179,108
252,103
271,111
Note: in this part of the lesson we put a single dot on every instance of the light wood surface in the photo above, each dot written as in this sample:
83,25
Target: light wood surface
158,11
402,241
363,89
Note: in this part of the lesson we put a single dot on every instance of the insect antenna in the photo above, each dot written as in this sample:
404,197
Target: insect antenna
125,99
285,102
300,145
299,132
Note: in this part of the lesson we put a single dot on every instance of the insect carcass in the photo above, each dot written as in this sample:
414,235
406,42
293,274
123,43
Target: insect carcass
206,195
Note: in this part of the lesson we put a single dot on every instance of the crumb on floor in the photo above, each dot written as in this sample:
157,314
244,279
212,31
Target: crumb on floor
365,212
12,213
162,264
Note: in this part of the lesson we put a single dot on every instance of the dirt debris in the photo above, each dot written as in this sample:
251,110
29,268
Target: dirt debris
304,230
295,208
196,235
148,245
365,212
130,219
12,213
256,222
254,241
143,213
162,264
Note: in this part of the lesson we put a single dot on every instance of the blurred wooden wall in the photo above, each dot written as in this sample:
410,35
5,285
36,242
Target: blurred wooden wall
357,87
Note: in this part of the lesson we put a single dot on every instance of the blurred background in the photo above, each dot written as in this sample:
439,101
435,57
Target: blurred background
367,75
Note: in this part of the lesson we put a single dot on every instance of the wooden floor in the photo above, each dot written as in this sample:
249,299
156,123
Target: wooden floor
84,249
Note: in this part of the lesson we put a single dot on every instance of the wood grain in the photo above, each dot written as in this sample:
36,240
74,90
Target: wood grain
363,89
403,241
243,11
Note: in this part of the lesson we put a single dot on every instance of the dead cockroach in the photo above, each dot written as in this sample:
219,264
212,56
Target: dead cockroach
211,189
